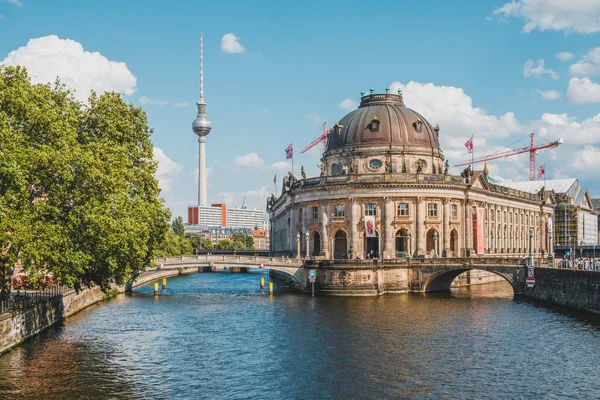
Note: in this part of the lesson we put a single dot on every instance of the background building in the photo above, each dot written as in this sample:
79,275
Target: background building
219,216
575,218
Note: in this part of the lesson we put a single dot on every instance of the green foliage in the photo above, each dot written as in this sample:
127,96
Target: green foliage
178,226
174,245
78,196
198,243
247,241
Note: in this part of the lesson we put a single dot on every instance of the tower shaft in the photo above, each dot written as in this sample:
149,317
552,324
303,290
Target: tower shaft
202,171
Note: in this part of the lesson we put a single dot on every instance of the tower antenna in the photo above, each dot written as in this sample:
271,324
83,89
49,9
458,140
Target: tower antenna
201,70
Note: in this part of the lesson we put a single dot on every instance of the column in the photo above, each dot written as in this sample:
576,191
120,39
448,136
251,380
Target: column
304,217
326,250
551,239
420,227
354,221
469,227
446,230
293,229
389,250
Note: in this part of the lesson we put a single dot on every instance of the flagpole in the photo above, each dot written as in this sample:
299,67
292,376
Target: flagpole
472,154
544,177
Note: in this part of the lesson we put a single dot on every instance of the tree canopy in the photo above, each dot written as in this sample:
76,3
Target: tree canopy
178,226
78,196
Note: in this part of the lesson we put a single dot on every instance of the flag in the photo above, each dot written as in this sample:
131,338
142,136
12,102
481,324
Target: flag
541,171
275,180
289,152
469,145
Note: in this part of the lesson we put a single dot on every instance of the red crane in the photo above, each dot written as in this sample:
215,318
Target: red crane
531,149
321,139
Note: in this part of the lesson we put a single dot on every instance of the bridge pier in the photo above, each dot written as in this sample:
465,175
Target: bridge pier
378,277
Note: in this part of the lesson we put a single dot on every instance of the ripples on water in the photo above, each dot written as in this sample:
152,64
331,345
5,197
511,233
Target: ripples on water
215,336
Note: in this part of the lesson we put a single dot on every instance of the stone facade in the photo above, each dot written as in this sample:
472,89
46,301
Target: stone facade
396,174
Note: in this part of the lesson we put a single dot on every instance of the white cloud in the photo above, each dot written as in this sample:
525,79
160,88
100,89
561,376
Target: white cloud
167,170
548,94
554,126
230,44
586,161
182,104
450,107
583,91
18,3
49,56
588,65
564,56
149,100
579,16
250,160
530,69
282,166
349,105
314,117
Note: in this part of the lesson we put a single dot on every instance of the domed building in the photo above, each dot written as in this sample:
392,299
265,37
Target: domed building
385,191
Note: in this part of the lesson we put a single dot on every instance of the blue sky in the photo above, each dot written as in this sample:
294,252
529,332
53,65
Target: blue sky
461,64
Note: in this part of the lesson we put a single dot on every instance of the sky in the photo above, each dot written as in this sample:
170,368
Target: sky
275,71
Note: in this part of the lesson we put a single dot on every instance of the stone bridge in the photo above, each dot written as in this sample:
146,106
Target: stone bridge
376,277
364,277
285,269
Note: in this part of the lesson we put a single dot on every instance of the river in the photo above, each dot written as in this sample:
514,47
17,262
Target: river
216,336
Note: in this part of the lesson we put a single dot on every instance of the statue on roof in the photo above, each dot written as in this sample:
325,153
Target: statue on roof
302,173
323,167
446,168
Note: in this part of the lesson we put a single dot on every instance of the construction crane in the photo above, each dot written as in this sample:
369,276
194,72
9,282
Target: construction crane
531,149
321,139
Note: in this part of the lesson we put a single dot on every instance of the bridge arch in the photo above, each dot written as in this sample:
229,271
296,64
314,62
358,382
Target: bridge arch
442,281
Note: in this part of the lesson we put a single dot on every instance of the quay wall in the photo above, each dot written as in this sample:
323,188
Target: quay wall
19,326
564,287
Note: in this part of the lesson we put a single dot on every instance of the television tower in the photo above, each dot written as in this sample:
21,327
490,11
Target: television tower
201,127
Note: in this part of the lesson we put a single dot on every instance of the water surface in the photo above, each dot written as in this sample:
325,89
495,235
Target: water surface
216,336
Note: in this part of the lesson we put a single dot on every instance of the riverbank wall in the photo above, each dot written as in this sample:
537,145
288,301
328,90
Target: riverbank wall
18,326
568,288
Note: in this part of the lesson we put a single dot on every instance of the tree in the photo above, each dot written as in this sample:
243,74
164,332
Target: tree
246,240
178,226
78,196
197,242
174,245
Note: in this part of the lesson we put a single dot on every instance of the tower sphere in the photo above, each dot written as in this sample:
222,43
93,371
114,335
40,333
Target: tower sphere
201,125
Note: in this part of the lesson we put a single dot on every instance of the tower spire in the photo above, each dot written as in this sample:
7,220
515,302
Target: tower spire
201,127
201,71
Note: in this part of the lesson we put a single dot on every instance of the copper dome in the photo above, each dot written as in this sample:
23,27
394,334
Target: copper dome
382,119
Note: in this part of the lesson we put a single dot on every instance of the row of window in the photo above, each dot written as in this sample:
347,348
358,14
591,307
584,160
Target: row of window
513,218
402,210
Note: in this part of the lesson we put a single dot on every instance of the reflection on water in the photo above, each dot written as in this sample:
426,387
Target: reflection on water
216,336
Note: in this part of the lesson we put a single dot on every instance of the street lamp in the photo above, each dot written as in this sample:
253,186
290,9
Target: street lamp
530,246
435,239
307,238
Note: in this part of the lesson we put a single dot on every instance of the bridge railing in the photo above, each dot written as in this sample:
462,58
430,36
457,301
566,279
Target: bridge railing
228,258
469,261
